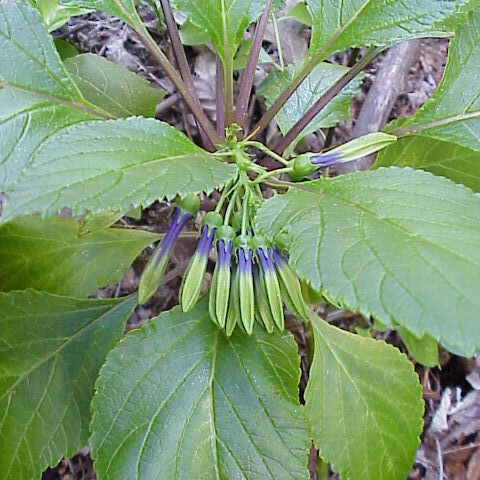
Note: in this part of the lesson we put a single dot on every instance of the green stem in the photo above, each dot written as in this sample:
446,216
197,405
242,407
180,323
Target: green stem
266,150
245,210
279,43
271,174
231,206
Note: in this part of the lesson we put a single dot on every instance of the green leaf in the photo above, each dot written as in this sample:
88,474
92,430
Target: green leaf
112,87
356,23
423,350
178,399
37,97
365,404
453,112
55,15
51,349
223,20
113,165
51,256
398,244
460,164
322,77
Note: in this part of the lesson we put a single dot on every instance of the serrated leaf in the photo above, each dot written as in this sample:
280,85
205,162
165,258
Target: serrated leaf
322,77
365,404
37,97
51,349
65,49
113,165
112,87
460,164
453,112
223,20
398,244
51,256
178,399
356,23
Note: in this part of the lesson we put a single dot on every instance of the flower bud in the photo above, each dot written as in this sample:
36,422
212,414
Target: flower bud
356,148
157,263
220,289
232,314
263,313
245,284
193,278
289,286
270,280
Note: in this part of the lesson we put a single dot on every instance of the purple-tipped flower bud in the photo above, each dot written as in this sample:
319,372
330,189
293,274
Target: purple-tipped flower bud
193,278
272,287
324,160
245,284
263,313
157,263
289,286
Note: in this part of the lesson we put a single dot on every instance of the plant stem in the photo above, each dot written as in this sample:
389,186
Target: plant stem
279,43
249,73
228,69
266,150
282,98
191,100
183,64
219,99
326,98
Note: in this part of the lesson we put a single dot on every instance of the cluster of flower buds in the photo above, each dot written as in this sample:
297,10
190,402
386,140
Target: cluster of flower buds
250,281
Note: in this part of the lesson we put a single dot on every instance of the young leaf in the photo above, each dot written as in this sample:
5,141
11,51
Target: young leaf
460,164
113,165
224,20
398,244
51,256
178,399
357,23
322,77
37,97
51,349
112,87
365,404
